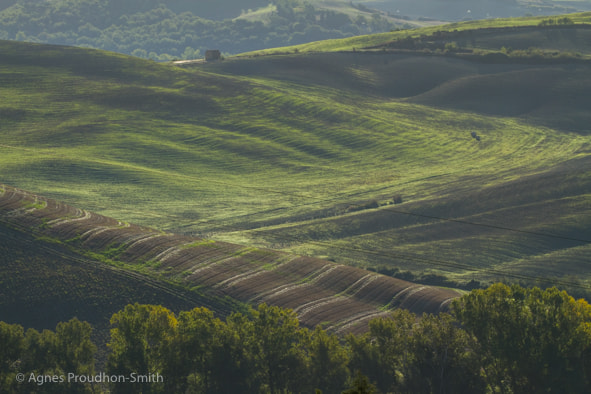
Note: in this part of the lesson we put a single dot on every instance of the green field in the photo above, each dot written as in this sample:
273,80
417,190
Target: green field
489,41
308,152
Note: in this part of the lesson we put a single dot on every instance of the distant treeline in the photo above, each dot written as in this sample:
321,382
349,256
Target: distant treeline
474,41
175,29
502,339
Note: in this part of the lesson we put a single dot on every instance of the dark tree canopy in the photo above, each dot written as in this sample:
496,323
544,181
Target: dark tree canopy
502,339
175,29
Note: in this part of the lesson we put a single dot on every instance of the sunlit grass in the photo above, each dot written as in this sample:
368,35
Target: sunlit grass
260,161
248,157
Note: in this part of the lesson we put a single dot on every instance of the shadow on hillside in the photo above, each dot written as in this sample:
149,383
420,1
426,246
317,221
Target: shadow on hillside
554,95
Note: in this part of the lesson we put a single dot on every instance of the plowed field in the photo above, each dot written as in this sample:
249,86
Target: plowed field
343,298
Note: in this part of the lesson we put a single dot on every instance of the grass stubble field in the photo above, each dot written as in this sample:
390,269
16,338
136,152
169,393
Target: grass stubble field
363,157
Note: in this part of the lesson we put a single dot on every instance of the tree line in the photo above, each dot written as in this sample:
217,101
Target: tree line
505,339
167,30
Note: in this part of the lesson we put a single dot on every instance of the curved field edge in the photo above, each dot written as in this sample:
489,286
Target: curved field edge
343,298
370,42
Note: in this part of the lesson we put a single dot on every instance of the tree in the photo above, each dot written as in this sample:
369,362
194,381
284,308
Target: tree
383,354
444,358
194,351
39,359
239,355
39,351
328,362
74,352
285,8
532,340
74,348
11,348
47,353
280,348
140,343
361,385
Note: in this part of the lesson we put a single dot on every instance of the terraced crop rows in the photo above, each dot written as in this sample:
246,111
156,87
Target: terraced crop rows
343,297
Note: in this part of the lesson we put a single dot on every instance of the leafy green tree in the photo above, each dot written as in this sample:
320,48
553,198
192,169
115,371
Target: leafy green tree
444,358
334,20
140,343
74,349
285,8
361,385
140,53
39,351
11,348
195,349
234,365
39,359
267,352
190,54
328,362
364,356
383,353
532,340
280,350
67,350
74,353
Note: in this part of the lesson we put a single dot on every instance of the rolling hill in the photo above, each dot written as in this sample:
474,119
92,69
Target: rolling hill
185,29
456,10
540,84
58,262
357,151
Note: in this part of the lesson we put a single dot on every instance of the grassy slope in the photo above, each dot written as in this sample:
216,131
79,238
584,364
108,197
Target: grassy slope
477,9
360,42
273,151
525,100
534,95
